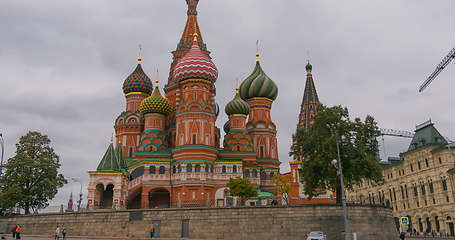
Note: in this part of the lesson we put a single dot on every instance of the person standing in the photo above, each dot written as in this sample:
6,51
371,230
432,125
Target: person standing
18,231
14,231
57,233
64,233
402,235
152,230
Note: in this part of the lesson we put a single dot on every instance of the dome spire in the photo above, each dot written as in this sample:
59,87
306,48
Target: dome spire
192,6
157,81
139,55
257,51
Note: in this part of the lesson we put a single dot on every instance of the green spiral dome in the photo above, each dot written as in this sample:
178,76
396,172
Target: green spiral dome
258,84
227,127
237,106
156,103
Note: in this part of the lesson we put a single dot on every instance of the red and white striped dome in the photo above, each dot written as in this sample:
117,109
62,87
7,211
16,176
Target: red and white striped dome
195,64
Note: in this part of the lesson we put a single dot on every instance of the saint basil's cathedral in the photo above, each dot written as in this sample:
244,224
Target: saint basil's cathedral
167,150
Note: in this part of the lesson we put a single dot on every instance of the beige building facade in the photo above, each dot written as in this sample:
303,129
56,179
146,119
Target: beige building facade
419,184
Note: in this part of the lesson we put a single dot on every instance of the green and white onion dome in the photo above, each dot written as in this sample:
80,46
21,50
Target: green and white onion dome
258,84
237,106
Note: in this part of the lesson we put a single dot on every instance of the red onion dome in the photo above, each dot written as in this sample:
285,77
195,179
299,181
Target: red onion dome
195,64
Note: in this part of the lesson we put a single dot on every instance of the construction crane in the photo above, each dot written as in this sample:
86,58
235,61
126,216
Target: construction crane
393,133
438,69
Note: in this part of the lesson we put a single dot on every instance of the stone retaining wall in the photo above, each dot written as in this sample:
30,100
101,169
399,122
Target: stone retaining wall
248,223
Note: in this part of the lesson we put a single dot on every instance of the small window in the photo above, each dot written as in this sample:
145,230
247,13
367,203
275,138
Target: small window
223,169
444,185
430,185
234,169
152,169
207,168
412,168
440,161
194,138
189,167
418,163
211,169
130,151
247,173
255,173
261,151
161,170
174,169
180,168
426,162
197,168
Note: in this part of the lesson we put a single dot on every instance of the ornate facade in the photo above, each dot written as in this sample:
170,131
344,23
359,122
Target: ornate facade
167,147
417,184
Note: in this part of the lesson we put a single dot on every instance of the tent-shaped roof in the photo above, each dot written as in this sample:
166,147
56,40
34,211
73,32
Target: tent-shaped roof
425,135
110,161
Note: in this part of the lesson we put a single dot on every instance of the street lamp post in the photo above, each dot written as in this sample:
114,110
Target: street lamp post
80,195
337,164
2,142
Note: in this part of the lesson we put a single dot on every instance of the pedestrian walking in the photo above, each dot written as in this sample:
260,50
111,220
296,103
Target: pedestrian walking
13,230
57,233
402,235
18,231
64,233
152,231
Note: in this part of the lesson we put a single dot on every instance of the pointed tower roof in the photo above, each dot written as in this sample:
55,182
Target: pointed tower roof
310,99
191,27
110,161
119,153
425,135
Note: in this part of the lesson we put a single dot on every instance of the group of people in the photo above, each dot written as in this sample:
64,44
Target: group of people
60,232
16,231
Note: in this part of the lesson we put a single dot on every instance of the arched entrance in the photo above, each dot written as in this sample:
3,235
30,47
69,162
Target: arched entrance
104,197
159,198
450,226
134,199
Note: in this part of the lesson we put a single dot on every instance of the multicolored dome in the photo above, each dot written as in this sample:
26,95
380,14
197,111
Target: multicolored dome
237,106
137,81
258,84
156,103
195,64
227,127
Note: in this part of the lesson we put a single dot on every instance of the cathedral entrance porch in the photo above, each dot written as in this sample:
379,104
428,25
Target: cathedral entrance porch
159,198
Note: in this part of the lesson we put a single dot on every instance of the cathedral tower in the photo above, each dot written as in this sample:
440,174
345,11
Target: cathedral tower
310,101
129,125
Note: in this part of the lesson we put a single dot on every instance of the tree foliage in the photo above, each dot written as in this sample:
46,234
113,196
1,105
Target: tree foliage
318,146
283,185
240,187
31,178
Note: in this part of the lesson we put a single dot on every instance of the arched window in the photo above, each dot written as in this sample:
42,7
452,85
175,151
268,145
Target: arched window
174,169
234,169
189,167
152,169
255,173
197,168
207,168
137,172
223,169
247,173
161,170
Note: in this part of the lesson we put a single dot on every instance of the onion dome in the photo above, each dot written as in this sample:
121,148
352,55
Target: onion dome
155,103
137,81
237,105
195,64
227,126
258,84
308,67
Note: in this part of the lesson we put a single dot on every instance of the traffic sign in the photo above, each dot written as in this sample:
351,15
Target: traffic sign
404,221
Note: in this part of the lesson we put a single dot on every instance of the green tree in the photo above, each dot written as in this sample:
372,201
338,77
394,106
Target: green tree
283,185
31,178
240,187
318,146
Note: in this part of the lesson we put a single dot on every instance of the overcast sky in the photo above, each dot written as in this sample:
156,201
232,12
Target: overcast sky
62,63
